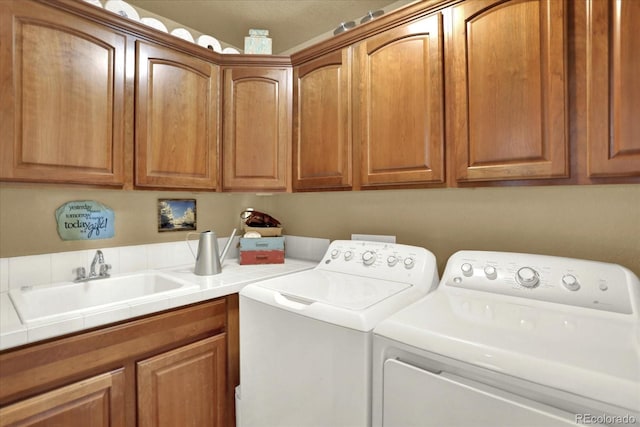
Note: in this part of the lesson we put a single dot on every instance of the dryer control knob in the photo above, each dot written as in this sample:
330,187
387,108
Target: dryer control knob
369,257
467,269
348,255
392,260
335,253
570,282
528,277
409,263
491,272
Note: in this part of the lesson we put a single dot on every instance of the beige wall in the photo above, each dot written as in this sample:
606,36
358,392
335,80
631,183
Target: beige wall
28,225
592,222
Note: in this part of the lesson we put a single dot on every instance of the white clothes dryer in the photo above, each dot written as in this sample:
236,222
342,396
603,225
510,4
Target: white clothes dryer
513,340
306,338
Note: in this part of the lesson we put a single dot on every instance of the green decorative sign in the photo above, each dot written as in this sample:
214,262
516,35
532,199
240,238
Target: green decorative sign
85,220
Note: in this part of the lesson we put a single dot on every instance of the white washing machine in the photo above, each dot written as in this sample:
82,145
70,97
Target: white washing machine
512,339
306,338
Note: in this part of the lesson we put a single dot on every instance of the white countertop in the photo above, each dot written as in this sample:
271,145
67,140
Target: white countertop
233,278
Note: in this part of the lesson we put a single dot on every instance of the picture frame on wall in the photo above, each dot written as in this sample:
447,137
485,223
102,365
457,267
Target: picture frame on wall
177,215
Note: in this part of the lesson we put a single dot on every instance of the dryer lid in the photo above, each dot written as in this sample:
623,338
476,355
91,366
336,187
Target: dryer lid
585,352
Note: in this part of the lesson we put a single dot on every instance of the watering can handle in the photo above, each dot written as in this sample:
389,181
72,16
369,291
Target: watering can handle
189,244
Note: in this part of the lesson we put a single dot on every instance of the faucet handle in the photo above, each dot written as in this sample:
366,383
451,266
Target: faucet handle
104,270
81,273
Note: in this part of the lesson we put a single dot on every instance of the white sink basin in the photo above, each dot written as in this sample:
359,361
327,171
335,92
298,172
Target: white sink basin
49,303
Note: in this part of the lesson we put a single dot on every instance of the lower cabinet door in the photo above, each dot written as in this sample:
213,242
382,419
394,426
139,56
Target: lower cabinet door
185,386
97,401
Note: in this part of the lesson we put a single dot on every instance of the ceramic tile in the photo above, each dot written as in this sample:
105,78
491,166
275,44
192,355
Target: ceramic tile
188,298
13,339
149,306
29,270
114,314
307,248
4,274
158,256
44,331
180,254
133,258
64,264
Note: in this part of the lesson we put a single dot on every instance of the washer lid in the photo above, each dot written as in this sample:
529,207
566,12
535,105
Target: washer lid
583,351
354,302
335,289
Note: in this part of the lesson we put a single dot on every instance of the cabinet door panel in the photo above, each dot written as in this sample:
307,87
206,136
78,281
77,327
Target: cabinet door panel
613,73
401,105
257,128
509,98
184,387
63,105
176,119
97,401
322,137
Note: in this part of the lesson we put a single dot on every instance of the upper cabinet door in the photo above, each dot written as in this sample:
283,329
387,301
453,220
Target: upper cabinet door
613,81
62,98
508,103
399,112
257,129
176,119
322,131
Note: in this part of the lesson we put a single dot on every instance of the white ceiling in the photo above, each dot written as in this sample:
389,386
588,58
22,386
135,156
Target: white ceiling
290,22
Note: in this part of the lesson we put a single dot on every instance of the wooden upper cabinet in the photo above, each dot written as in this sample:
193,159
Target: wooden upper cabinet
322,132
613,88
62,98
257,129
176,119
399,110
508,101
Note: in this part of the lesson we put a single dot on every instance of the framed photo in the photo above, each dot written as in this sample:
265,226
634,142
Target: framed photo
176,214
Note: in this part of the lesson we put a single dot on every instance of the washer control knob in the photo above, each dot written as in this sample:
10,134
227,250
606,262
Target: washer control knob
392,260
570,282
409,263
528,277
348,255
369,257
491,272
335,253
467,269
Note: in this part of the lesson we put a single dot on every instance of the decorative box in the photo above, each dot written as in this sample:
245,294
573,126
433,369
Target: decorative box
262,244
261,257
257,42
264,250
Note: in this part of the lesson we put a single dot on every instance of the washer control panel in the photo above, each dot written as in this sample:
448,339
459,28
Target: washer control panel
582,283
387,261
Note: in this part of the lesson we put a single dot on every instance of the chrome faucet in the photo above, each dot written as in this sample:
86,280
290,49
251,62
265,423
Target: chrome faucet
98,259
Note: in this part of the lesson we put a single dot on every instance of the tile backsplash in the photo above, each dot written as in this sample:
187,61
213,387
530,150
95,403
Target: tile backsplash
58,267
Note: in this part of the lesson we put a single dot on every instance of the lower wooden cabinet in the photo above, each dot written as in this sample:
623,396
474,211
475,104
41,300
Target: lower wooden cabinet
183,387
97,402
177,368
